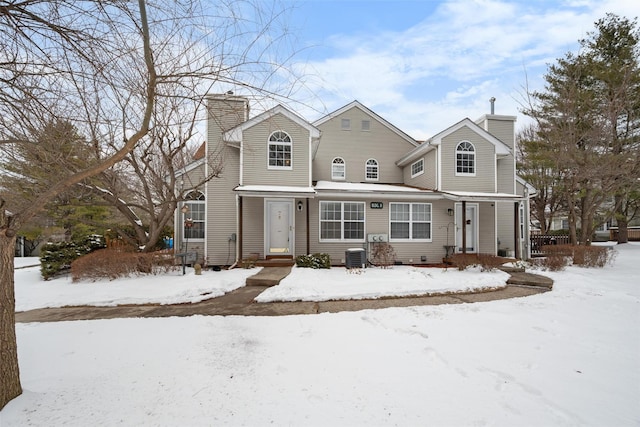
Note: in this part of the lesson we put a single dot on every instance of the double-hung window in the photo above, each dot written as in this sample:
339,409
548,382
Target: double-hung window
410,221
417,168
465,159
279,150
338,168
194,219
342,221
371,170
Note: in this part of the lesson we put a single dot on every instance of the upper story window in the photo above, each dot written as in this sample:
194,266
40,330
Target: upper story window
371,170
417,168
338,168
465,159
279,150
366,125
341,221
193,220
345,124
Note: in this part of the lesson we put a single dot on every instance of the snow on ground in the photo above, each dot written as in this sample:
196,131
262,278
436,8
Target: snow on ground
304,284
172,288
567,357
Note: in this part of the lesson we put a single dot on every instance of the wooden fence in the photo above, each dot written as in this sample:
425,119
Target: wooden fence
634,234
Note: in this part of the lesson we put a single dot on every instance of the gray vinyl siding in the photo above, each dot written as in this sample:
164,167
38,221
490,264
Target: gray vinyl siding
356,146
377,221
487,228
505,225
253,227
300,227
222,211
503,129
429,178
506,175
255,143
484,179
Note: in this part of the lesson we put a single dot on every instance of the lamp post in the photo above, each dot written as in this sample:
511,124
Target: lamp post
187,224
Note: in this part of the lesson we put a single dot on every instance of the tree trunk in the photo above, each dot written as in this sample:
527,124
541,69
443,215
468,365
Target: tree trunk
9,372
623,229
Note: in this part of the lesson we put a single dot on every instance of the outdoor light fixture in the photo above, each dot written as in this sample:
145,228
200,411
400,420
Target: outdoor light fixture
450,212
187,223
300,205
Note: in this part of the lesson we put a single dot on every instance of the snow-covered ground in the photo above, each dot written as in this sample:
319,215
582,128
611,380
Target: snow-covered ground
566,357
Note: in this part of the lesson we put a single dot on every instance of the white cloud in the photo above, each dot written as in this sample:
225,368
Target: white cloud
447,66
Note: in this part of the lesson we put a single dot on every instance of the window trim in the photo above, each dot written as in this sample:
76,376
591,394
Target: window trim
460,152
344,169
342,221
368,125
344,122
421,161
366,170
199,200
288,143
411,222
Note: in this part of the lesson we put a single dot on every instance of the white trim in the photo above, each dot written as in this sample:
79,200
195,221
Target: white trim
420,160
501,148
377,166
369,112
455,159
410,239
476,228
284,144
342,239
267,225
438,168
235,134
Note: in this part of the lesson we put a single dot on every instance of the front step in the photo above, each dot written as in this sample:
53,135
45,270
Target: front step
530,280
268,276
275,262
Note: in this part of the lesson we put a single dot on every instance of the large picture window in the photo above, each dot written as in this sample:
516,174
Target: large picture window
410,221
342,221
194,220
279,150
465,159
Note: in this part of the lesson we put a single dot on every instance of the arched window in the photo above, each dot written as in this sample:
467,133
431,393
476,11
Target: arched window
279,150
193,220
371,170
465,159
338,168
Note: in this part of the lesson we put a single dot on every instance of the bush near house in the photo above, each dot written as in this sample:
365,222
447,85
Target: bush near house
314,261
112,264
56,258
487,262
557,257
383,255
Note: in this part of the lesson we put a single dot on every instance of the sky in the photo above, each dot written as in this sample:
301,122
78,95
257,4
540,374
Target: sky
426,64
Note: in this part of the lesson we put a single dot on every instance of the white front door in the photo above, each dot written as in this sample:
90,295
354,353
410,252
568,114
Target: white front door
279,227
471,227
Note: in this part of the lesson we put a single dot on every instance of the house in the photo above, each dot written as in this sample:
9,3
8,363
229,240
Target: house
349,180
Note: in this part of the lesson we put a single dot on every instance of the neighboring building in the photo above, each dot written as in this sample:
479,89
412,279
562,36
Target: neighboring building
290,187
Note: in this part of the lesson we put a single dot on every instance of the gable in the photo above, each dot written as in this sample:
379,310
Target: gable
235,134
501,149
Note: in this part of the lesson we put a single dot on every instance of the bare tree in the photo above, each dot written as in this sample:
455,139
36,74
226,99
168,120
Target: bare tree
104,67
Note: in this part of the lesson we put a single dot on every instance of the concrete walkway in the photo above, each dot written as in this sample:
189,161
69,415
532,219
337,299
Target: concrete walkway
241,302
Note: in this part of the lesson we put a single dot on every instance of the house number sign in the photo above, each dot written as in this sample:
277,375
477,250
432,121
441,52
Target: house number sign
376,205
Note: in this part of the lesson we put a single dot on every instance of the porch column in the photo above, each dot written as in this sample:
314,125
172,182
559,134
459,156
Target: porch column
308,231
239,236
516,229
464,227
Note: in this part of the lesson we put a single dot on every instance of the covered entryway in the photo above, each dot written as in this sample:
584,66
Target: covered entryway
279,227
470,227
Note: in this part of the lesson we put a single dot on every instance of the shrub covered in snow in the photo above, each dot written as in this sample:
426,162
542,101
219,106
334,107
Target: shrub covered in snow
314,261
57,257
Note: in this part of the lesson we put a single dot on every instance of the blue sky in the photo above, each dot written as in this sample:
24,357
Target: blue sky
426,64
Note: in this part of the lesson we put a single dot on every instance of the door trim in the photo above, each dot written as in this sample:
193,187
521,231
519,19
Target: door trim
475,223
267,227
